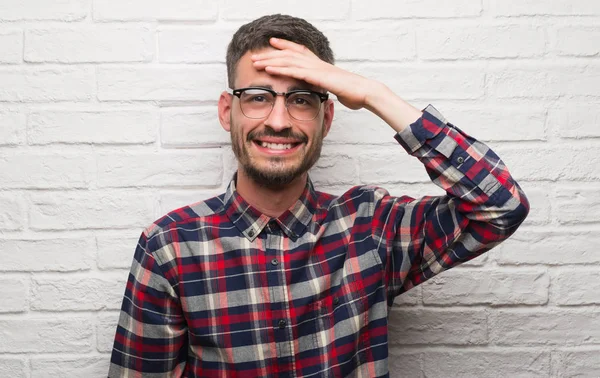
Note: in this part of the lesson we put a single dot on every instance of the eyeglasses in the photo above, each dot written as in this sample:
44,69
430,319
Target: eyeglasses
302,104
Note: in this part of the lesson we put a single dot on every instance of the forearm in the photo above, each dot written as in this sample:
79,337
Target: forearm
388,106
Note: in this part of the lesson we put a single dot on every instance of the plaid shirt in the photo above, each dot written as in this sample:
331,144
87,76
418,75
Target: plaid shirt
217,289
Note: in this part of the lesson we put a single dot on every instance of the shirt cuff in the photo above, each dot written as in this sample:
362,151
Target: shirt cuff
430,124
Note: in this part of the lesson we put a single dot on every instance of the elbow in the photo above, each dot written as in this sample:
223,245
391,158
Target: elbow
517,210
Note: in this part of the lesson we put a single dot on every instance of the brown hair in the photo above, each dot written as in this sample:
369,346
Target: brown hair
256,34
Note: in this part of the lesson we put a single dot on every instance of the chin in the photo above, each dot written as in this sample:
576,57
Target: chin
273,178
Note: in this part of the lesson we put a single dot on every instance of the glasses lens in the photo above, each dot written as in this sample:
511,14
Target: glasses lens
303,106
256,103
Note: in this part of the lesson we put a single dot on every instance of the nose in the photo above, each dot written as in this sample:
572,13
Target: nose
278,119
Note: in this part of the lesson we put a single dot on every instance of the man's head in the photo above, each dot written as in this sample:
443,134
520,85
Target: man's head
275,149
255,36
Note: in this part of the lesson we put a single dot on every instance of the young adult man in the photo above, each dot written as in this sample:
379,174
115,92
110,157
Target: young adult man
275,279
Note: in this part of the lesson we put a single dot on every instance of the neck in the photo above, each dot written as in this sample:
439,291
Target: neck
270,201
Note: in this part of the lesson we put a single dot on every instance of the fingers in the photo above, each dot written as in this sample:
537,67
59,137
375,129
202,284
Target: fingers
277,61
283,44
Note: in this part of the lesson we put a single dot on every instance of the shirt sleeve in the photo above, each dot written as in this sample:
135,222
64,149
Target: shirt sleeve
151,334
420,238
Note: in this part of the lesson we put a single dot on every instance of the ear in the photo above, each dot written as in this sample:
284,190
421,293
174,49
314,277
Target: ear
225,110
327,117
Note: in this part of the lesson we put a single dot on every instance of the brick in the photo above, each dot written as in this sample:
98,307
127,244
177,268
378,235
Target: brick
442,82
577,40
78,293
577,121
331,10
50,334
51,170
12,131
168,83
96,127
548,163
382,167
484,363
394,9
14,296
433,326
191,127
544,8
11,45
81,366
577,205
63,10
404,364
539,204
543,81
468,287
42,84
576,287
358,127
202,44
480,41
13,367
230,165
372,43
116,252
137,10
525,327
198,168
489,123
527,247
171,199
576,363
334,169
12,212
52,255
94,44
106,328
91,210
409,298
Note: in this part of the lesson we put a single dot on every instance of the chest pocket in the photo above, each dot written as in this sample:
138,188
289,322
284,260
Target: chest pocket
344,310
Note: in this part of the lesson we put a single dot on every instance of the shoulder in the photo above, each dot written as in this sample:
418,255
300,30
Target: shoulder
357,200
192,215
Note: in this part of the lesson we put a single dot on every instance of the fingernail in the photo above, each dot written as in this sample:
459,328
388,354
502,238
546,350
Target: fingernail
275,39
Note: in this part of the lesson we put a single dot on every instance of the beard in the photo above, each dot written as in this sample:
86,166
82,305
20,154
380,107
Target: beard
278,171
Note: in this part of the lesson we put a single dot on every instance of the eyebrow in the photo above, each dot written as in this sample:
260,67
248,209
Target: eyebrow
292,88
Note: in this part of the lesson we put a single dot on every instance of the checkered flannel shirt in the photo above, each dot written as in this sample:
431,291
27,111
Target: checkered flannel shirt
217,289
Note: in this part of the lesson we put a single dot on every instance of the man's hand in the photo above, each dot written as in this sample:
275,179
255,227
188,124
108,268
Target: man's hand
297,61
352,90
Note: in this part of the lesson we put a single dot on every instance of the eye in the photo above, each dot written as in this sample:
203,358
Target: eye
257,96
302,99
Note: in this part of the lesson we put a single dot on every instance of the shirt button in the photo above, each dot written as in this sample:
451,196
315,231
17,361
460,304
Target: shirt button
460,160
274,262
282,324
251,233
336,301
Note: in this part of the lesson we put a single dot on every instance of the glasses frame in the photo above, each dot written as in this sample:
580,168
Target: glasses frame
322,96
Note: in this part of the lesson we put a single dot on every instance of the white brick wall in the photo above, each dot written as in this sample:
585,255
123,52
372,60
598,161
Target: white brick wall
108,120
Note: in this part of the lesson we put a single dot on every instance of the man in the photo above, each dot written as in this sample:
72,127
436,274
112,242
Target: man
275,279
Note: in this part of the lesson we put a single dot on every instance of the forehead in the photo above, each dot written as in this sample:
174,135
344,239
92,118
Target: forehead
247,76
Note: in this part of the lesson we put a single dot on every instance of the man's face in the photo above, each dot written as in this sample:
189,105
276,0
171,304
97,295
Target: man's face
275,150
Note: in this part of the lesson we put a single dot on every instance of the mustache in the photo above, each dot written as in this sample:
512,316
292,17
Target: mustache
269,132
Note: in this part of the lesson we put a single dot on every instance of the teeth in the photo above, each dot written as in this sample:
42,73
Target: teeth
276,146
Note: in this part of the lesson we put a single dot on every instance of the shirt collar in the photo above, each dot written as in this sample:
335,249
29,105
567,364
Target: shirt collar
250,222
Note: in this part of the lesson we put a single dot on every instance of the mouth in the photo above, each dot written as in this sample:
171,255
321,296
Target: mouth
277,147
